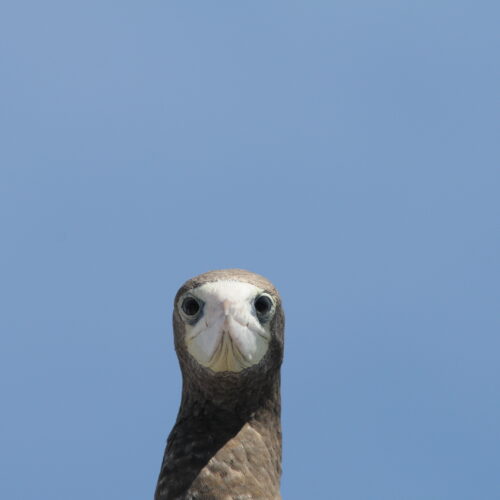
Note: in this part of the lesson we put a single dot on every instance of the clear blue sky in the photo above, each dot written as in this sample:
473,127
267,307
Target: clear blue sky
349,151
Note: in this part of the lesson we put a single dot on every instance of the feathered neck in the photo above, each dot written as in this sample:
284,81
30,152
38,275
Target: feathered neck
225,432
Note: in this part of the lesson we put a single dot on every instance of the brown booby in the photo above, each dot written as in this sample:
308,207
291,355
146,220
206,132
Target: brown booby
226,441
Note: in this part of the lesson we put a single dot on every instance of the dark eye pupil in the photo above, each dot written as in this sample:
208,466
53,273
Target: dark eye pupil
190,306
263,304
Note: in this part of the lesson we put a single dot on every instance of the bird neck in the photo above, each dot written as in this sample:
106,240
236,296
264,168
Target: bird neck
241,394
229,431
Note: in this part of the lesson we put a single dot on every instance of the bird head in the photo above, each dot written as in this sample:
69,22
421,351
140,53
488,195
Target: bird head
228,321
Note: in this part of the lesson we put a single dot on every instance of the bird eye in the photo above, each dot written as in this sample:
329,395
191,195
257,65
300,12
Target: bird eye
263,305
190,306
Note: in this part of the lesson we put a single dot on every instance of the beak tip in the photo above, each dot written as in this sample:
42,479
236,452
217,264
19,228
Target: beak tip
226,306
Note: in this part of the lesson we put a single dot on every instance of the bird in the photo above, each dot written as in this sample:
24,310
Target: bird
229,339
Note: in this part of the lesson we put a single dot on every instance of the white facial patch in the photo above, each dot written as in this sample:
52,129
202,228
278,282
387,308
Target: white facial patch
228,335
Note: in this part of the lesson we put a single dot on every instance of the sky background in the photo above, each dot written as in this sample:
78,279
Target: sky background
348,151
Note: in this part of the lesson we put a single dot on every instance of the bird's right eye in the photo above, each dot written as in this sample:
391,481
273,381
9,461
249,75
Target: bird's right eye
190,306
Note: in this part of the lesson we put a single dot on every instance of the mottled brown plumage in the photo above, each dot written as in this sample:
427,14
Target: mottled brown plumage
226,442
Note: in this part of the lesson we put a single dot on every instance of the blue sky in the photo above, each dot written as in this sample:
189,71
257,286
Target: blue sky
346,150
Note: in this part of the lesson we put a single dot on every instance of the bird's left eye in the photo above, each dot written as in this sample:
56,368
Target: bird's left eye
263,305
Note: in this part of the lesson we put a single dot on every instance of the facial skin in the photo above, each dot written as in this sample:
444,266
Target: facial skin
227,324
